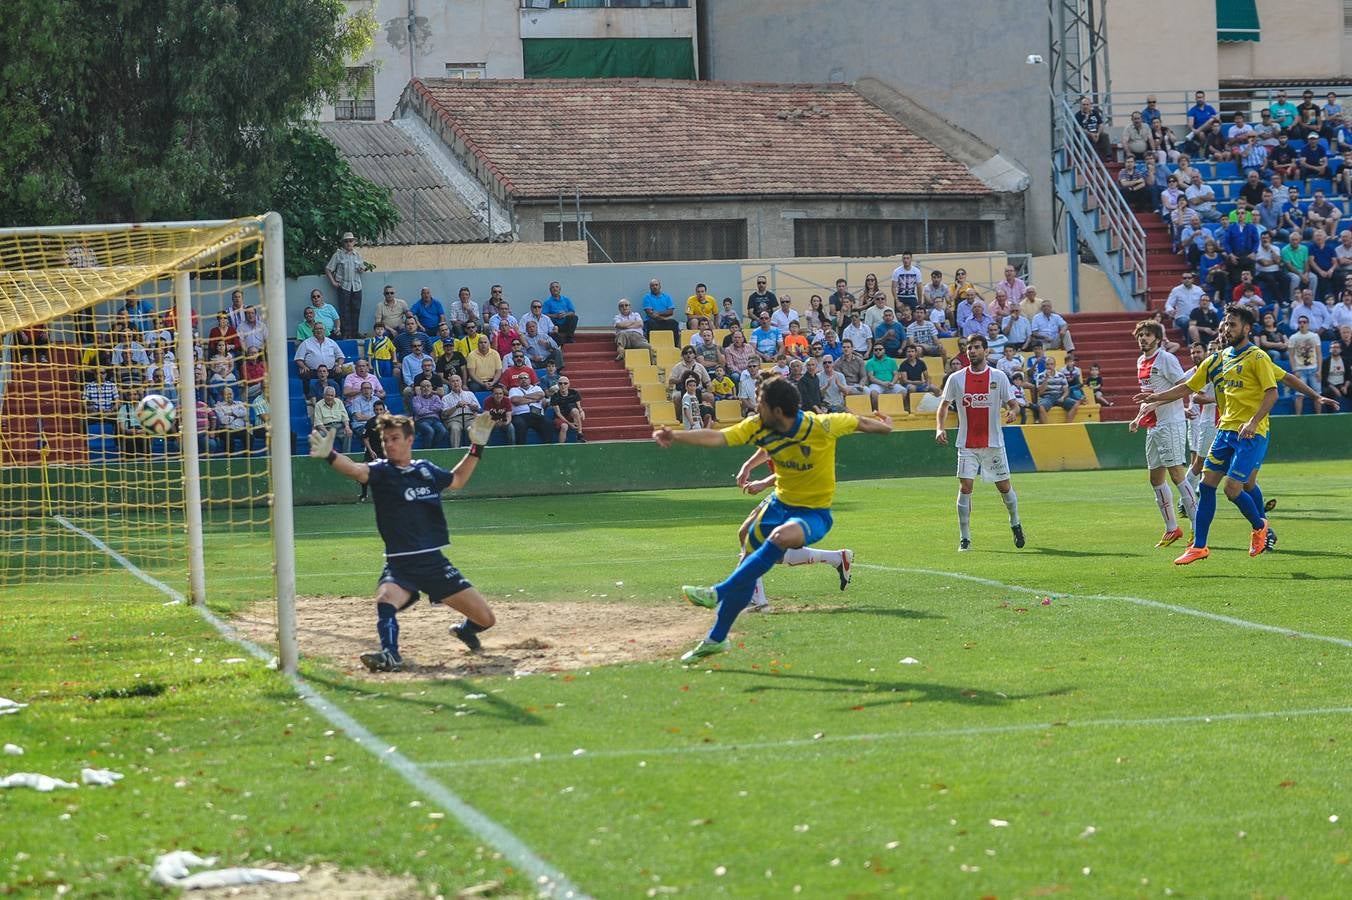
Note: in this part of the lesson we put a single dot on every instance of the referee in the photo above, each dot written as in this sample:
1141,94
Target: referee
407,497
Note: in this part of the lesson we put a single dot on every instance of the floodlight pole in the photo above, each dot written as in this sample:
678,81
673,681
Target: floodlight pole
187,430
279,404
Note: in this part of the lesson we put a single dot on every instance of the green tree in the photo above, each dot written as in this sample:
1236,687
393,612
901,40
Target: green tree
137,110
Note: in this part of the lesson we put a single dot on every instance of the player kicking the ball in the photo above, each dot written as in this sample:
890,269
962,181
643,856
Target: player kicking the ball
1166,429
407,497
978,393
803,446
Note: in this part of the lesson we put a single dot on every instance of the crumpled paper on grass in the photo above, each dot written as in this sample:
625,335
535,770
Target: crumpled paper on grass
101,777
172,870
35,781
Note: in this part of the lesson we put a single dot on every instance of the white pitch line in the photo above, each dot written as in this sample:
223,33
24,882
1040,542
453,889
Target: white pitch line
1138,601
942,733
549,880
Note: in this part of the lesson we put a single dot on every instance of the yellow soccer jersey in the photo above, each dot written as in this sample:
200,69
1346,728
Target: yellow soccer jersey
1240,378
709,308
805,461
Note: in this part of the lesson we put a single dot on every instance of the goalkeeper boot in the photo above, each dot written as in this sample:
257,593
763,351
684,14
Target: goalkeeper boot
1018,536
467,637
382,661
704,648
843,568
706,597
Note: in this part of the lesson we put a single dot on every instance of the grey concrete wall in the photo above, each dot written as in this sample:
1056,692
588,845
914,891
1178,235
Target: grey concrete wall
962,59
769,223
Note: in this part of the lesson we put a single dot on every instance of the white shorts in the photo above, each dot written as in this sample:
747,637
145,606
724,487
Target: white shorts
1201,435
988,462
1166,445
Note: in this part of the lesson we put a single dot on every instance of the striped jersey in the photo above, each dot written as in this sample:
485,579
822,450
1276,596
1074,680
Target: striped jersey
979,398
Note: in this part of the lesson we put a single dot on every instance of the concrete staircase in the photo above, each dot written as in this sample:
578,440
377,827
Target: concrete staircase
614,412
1105,338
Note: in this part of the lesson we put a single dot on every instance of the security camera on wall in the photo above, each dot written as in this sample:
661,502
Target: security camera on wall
1033,60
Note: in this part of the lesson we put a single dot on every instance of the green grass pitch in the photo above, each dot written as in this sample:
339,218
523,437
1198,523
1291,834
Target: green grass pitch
1092,745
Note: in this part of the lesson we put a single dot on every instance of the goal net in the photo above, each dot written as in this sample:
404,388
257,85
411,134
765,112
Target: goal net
94,488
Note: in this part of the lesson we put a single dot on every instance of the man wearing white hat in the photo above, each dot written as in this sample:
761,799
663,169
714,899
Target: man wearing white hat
344,270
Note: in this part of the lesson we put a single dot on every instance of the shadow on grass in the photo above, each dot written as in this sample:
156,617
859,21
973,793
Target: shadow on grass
895,691
1054,551
867,611
492,705
1279,576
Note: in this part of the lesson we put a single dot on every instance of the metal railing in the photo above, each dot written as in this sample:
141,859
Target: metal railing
1125,232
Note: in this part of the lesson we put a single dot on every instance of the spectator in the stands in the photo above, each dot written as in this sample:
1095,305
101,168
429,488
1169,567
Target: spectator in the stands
1253,156
161,375
427,406
781,317
568,411
1314,159
344,271
1284,159
458,409
232,418
925,336
688,366
541,348
1131,182
1323,214
100,395
362,375
979,321
1307,115
490,307
1270,337
127,350
518,364
699,304
760,300
1309,307
327,313
1202,199
1340,314
1211,140
1323,265
1333,374
707,349
1240,241
890,333
1306,358
428,310
1238,132
1091,119
1050,329
361,409
1283,111
659,312
306,328
543,323
412,365
407,336
528,407
1253,190
728,317
913,377
235,311
380,351
390,311
504,330
1203,322
747,383
796,344
721,384
224,331
839,296
1183,299
873,313
1201,113
1137,138
561,312
629,333
252,332
220,371
766,339
462,311
739,355
1296,263
809,388
140,313
1266,129
1269,211
327,412
881,374
856,332
833,386
1054,390
1017,329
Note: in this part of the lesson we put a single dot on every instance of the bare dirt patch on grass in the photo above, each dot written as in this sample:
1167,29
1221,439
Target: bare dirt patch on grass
327,882
529,637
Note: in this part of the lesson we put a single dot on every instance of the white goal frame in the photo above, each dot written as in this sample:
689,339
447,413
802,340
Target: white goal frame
279,456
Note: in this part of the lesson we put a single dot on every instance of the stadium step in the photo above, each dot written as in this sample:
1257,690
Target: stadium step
613,409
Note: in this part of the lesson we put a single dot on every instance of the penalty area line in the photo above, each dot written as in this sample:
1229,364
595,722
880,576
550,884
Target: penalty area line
939,733
1137,601
549,880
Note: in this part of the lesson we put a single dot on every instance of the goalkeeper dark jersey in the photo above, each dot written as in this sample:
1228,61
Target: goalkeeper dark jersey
408,506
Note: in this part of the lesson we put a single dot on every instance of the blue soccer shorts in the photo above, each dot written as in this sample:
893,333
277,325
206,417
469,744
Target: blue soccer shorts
1237,457
430,573
773,513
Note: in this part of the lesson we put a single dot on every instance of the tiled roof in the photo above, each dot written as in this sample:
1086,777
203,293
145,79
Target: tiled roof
430,210
651,138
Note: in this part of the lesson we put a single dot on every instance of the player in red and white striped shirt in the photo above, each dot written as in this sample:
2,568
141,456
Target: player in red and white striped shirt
1166,436
979,393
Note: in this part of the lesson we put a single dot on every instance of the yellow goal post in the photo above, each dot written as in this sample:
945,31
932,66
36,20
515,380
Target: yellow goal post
97,322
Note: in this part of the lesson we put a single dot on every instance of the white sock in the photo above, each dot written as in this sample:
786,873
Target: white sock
964,516
806,556
1012,504
758,597
1189,495
1164,497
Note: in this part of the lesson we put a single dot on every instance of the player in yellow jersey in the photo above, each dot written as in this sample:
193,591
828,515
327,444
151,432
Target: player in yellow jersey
803,447
1245,382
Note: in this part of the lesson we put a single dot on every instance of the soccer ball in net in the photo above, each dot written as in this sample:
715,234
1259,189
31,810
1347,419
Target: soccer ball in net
156,413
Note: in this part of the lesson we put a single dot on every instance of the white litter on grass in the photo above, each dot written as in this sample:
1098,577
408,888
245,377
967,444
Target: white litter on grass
35,781
13,750
234,659
101,777
999,823
910,661
8,706
173,870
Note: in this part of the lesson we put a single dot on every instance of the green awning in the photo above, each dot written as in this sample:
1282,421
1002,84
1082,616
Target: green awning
1236,20
609,57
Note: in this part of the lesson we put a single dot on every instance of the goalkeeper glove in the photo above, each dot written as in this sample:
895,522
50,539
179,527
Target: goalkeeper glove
480,432
321,443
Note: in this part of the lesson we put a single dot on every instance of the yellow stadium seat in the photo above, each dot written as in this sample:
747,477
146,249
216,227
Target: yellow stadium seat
728,410
858,404
1058,357
646,375
661,413
667,357
892,404
661,338
720,334
653,393
950,346
633,358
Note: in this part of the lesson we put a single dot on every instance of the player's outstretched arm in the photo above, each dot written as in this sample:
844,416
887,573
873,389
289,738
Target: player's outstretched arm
1295,384
875,424
1177,392
321,447
704,437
